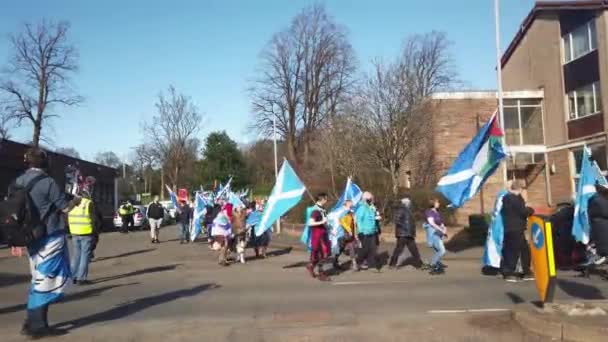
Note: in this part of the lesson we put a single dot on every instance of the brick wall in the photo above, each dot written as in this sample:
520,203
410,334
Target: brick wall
561,182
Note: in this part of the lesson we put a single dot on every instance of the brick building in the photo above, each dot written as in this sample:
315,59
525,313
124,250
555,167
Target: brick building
553,76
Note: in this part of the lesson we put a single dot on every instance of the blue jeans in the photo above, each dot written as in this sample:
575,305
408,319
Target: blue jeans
437,245
80,256
185,231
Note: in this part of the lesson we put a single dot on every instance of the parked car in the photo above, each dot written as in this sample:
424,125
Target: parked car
140,220
168,205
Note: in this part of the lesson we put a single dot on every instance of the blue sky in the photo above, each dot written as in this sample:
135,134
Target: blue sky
131,50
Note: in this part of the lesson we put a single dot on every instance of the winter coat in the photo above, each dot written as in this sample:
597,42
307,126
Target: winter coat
598,219
404,223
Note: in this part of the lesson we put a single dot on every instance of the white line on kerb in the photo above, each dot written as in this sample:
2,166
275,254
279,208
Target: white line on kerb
466,311
343,283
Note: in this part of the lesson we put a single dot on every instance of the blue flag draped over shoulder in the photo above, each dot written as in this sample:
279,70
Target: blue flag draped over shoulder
590,174
474,165
50,263
351,192
305,239
286,193
493,251
200,209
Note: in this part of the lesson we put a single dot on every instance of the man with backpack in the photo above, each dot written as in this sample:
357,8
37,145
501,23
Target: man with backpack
39,206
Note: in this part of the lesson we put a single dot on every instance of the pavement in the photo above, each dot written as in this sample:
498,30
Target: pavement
172,292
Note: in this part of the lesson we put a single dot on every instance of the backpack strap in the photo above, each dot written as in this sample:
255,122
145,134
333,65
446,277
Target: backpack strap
30,185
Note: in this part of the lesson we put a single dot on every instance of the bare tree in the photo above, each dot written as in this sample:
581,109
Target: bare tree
38,76
171,134
5,126
305,72
109,159
68,151
392,108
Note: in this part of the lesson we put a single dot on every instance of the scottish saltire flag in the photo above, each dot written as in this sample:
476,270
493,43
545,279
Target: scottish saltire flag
224,190
474,165
286,193
50,263
172,196
590,174
200,209
235,200
351,192
493,251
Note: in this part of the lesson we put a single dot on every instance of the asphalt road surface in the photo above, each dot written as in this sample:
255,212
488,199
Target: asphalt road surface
172,292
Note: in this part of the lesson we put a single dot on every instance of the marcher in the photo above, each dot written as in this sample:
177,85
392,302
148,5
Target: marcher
435,233
85,223
260,243
597,249
405,232
240,233
126,212
212,212
349,240
515,247
51,273
156,213
320,245
221,232
184,217
365,217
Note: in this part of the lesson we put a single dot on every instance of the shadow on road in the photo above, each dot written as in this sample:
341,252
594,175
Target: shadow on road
297,265
141,251
69,298
9,279
137,305
578,290
515,298
138,272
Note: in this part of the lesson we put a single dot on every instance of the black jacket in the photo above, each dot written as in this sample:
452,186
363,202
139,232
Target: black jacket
185,214
156,211
598,219
212,213
404,223
515,213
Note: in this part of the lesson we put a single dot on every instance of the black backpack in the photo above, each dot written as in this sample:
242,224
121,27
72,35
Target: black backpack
20,221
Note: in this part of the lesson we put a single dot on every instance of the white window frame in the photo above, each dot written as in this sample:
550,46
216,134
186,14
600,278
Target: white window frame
596,110
592,44
519,106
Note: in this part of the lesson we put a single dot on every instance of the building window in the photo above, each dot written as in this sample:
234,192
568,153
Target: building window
598,153
523,122
579,42
586,100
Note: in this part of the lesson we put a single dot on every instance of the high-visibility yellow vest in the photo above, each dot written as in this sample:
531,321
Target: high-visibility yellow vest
122,211
80,220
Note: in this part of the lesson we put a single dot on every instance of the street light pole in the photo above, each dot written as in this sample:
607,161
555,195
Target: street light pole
276,162
499,81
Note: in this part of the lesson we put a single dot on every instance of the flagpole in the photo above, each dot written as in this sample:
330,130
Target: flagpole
276,162
499,85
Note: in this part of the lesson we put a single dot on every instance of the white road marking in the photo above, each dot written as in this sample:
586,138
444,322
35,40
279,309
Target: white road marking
344,283
467,311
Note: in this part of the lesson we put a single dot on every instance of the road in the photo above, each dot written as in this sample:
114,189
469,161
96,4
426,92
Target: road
172,292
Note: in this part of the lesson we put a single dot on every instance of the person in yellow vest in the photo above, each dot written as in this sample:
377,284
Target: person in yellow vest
126,212
84,222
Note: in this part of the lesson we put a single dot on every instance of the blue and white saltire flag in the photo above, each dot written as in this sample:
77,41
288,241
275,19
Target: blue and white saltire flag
590,174
351,192
235,200
493,251
50,264
474,165
223,191
200,209
172,196
286,193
